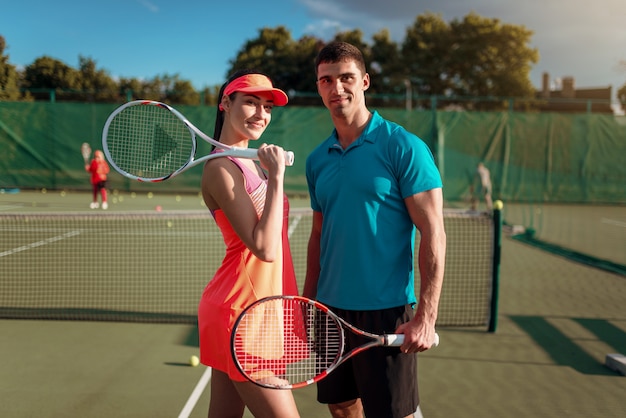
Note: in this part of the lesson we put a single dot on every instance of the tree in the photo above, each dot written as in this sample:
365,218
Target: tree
131,88
491,58
46,74
49,73
165,88
475,56
270,53
9,77
301,76
425,52
355,37
386,69
96,84
178,91
208,95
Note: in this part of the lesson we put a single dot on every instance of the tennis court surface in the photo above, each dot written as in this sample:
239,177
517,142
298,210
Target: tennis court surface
557,321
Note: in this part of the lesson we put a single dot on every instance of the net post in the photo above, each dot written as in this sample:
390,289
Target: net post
495,271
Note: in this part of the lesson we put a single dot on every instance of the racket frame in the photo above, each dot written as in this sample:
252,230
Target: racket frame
227,150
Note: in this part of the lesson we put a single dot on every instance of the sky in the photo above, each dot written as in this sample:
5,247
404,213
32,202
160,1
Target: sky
197,39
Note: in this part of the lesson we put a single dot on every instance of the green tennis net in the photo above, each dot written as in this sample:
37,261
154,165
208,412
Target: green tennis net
153,266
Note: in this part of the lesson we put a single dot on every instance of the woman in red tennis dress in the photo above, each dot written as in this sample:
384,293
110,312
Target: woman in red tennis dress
248,204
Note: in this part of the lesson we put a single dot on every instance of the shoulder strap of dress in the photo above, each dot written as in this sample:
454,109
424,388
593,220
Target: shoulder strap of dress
252,178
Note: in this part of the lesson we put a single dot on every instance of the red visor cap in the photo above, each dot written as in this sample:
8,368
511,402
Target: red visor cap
256,83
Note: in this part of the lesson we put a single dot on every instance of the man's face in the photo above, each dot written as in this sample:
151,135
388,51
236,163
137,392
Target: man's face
342,85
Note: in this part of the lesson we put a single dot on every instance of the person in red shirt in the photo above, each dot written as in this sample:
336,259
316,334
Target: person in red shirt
99,169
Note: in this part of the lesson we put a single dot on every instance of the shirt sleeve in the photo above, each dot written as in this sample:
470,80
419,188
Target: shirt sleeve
415,164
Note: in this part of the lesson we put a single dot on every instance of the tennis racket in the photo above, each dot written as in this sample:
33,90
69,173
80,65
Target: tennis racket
288,342
85,151
150,141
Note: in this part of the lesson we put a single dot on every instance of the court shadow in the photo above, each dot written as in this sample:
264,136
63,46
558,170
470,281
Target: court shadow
559,347
605,331
177,364
191,339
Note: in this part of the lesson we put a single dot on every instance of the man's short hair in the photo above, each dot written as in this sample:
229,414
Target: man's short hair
340,51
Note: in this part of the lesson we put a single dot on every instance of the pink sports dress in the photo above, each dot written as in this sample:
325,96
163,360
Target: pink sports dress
240,280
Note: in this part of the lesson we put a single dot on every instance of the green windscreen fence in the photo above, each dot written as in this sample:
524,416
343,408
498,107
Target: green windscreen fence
533,157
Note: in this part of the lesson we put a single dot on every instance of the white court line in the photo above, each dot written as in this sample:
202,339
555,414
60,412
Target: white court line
294,224
195,395
613,222
206,376
10,207
39,243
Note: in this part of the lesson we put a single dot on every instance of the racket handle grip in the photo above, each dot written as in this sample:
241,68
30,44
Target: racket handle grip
396,340
253,154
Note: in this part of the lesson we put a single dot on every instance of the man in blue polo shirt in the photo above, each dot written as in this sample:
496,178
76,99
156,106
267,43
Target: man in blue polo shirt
371,184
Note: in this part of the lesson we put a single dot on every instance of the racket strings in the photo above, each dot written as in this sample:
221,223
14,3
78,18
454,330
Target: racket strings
149,141
286,343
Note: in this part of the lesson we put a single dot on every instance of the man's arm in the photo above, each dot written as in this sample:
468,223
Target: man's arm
426,212
313,258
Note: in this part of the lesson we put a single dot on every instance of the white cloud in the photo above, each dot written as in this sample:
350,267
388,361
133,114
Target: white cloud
149,5
324,28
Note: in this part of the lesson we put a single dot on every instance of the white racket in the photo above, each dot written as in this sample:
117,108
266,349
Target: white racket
85,151
151,141
287,342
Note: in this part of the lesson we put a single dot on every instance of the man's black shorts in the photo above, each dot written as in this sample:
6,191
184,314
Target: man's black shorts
384,378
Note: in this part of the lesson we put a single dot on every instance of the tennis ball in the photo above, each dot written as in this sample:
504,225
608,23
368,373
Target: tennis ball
498,205
194,361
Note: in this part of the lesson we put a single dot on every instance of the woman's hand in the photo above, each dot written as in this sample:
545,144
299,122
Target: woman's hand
272,158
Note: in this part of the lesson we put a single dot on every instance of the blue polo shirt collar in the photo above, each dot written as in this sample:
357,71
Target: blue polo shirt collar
366,135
